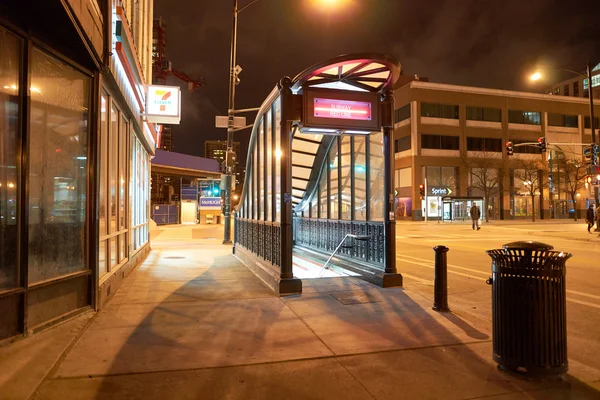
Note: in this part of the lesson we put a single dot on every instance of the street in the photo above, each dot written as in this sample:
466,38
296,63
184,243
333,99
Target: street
469,266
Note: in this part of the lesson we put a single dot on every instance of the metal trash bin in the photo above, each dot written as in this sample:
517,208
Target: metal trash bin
529,318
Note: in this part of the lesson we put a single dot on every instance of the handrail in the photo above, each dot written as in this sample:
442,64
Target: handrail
355,237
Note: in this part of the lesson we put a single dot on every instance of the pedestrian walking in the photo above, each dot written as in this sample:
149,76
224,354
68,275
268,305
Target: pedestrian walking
475,215
590,217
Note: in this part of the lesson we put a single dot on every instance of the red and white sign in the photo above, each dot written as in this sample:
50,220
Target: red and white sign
342,109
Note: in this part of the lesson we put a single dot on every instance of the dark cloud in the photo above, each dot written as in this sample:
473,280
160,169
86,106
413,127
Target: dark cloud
468,42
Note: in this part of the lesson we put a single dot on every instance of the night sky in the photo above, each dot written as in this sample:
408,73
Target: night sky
464,42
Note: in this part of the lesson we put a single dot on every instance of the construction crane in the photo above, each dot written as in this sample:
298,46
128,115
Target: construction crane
161,67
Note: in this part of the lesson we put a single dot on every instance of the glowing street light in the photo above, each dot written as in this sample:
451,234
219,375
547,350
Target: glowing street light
535,76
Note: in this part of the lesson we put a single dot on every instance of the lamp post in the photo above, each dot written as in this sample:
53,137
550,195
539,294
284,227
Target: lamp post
234,70
537,76
230,155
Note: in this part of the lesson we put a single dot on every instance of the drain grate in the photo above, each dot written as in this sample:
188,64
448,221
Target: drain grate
174,258
349,298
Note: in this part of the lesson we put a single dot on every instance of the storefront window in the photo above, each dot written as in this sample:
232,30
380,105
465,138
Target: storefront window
139,193
10,51
360,178
57,167
102,193
122,187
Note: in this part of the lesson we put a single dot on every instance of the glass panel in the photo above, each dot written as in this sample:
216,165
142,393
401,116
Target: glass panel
277,122
314,206
102,261
112,167
323,193
346,183
103,222
376,176
261,170
113,252
360,178
122,172
10,49
334,181
122,247
256,176
433,175
58,145
269,152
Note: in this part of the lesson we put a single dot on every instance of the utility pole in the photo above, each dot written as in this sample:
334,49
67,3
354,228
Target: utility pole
594,143
230,154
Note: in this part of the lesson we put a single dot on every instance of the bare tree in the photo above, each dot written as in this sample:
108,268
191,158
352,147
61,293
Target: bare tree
529,172
484,175
573,173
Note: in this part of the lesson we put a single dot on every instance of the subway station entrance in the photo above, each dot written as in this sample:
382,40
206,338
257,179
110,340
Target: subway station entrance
318,196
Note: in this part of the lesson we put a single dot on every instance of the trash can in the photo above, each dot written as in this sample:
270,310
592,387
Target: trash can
529,321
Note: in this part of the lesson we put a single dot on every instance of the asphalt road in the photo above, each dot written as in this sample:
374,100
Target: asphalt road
469,266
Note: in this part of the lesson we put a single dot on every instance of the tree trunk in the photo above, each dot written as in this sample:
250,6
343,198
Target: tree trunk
533,207
574,207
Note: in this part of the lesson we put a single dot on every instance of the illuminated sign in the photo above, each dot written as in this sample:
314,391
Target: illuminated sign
342,109
163,104
210,202
331,111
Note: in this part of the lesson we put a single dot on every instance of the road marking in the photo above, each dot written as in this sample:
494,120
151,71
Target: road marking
584,294
416,278
451,265
433,267
585,303
582,302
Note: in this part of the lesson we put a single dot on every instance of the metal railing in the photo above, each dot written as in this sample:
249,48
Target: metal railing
340,245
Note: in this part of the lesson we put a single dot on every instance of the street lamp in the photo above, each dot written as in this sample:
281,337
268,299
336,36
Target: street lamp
234,71
538,76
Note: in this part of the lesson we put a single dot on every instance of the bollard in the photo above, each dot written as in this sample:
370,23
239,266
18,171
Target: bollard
440,288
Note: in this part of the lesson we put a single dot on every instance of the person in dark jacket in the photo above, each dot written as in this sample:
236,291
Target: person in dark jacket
475,215
589,217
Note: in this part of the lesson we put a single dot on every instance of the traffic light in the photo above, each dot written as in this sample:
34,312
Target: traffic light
509,148
542,143
422,191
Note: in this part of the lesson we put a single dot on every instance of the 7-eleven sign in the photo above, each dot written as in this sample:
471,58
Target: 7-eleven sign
163,104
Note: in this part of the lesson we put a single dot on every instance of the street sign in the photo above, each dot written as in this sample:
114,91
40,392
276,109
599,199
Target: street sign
439,191
221,121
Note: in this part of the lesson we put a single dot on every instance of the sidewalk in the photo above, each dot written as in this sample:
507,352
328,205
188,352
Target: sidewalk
194,323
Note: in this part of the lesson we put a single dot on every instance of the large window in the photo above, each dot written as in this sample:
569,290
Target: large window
402,144
57,167
10,55
484,114
524,117
484,144
140,167
121,184
586,122
439,110
569,121
402,113
440,142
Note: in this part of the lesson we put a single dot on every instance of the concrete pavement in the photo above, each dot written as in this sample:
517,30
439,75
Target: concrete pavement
194,323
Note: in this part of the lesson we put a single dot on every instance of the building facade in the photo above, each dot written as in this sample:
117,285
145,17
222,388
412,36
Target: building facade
452,139
217,150
578,86
74,154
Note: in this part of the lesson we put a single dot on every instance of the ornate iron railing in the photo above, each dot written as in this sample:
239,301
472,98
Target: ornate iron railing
261,238
325,235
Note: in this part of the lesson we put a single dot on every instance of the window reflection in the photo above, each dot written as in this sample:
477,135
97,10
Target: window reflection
360,178
57,168
376,176
9,114
346,183
334,180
